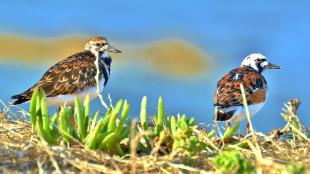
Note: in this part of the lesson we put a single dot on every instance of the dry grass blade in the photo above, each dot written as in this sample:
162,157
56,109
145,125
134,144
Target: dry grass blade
247,112
55,164
300,133
257,150
133,147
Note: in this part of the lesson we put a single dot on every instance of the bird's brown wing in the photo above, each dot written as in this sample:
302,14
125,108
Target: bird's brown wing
70,75
228,91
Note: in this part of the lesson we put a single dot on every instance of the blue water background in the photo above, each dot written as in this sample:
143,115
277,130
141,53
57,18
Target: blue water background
227,30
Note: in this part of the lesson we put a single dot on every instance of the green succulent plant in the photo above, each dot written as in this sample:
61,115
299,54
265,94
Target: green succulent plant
232,162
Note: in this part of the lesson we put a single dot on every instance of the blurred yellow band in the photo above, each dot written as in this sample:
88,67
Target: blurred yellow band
167,55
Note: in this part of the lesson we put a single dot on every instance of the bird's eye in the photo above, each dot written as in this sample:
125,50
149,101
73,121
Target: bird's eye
97,44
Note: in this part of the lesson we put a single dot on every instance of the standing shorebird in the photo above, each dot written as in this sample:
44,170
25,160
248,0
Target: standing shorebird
75,75
228,100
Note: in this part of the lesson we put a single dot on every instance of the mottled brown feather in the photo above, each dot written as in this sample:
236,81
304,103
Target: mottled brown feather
228,88
69,76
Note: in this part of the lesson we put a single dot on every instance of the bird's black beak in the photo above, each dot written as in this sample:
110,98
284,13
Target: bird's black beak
272,66
113,50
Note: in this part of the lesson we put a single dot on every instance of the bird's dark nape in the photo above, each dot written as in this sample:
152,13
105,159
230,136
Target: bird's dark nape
20,99
223,116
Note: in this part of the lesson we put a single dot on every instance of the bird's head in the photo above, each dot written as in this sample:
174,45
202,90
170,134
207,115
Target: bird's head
258,62
99,45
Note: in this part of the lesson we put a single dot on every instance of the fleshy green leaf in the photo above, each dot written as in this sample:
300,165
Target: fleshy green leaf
63,124
87,113
94,135
161,115
191,121
33,107
94,120
115,111
45,115
123,118
231,130
143,113
124,134
54,125
108,141
43,134
173,125
80,118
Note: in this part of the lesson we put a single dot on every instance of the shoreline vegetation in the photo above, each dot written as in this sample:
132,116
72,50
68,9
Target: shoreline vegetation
73,140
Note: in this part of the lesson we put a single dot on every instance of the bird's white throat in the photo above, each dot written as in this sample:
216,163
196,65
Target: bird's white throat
104,55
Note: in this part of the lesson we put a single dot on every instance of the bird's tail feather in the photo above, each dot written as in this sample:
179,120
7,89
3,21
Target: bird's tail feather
220,115
19,99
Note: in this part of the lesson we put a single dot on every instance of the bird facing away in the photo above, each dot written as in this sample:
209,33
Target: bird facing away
74,75
228,100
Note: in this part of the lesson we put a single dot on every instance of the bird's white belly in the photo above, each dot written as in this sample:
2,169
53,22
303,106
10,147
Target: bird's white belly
240,113
69,98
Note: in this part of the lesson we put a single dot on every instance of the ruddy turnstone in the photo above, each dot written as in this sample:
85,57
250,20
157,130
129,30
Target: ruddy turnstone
75,75
228,100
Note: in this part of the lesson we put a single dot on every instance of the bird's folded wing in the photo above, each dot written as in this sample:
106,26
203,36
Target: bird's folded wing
67,77
228,91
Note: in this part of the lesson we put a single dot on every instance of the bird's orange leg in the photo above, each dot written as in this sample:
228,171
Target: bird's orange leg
72,118
248,130
228,125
